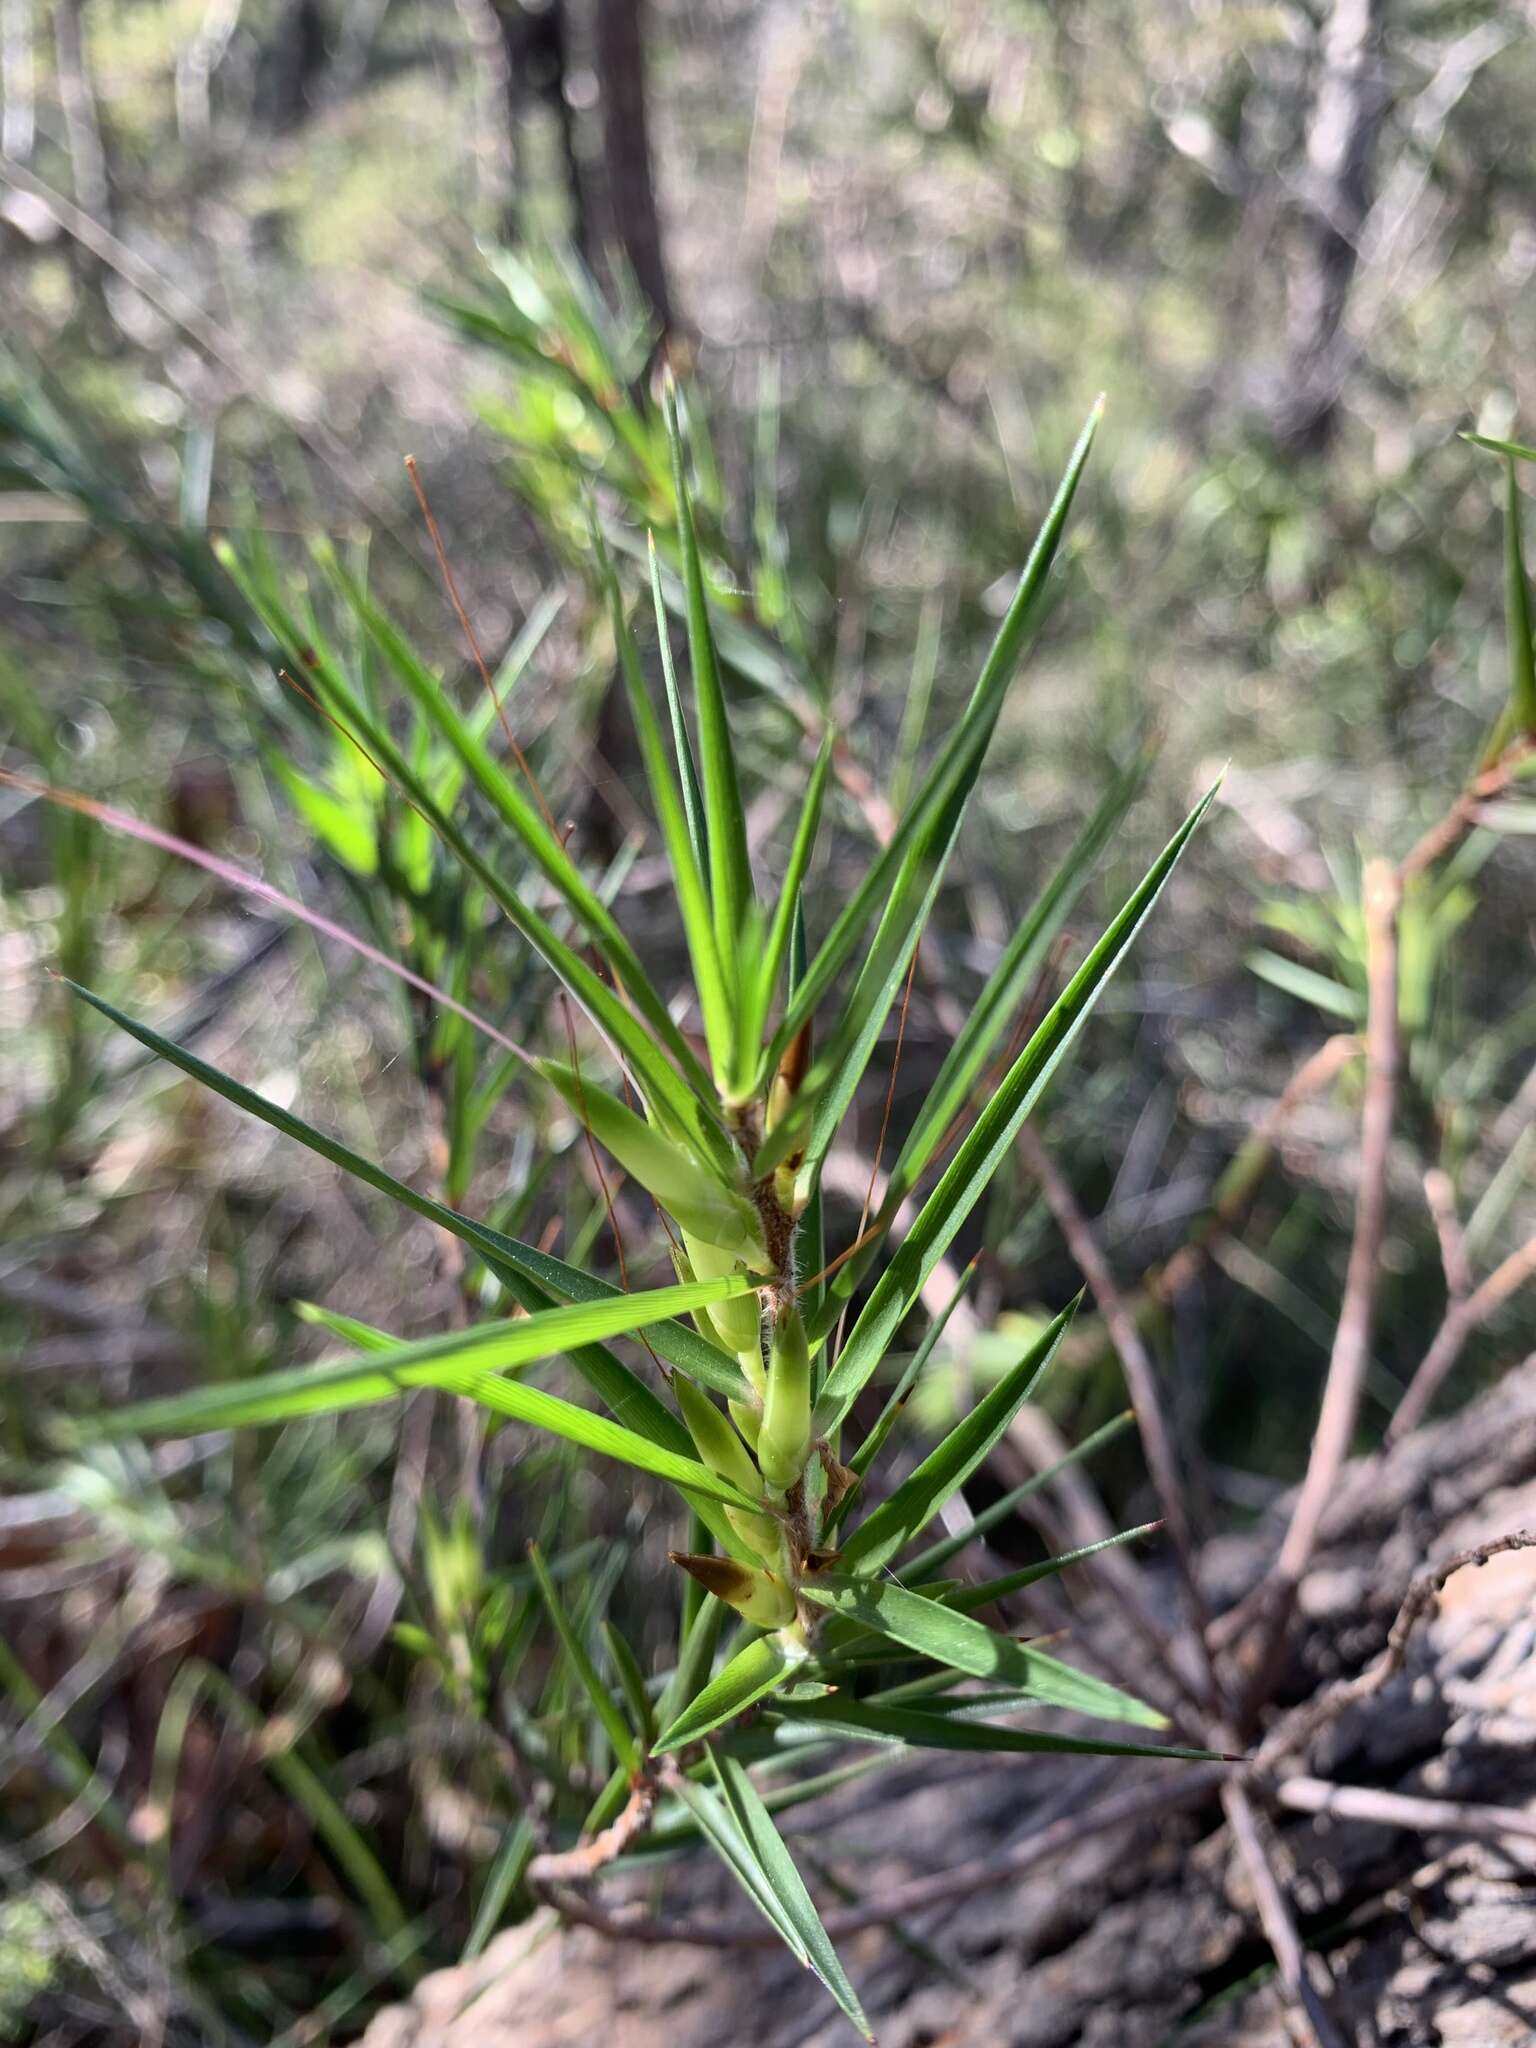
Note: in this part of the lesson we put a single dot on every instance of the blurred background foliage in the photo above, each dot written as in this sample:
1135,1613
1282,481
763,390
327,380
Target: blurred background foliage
254,252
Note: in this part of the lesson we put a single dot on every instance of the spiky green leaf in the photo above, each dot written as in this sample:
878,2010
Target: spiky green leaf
963,1644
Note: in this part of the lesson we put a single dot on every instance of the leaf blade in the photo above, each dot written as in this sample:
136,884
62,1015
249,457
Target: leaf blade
679,1345
959,762
947,1467
1517,609
329,1389
966,1599
784,1880
671,816
730,873
863,1721
983,1147
758,1669
937,1555
620,1735
963,1644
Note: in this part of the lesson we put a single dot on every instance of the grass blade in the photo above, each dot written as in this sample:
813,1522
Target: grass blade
1517,609
607,1709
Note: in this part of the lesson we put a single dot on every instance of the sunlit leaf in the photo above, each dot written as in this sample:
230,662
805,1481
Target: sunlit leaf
760,1668
982,1150
468,1363
947,1467
1517,610
862,1721
730,873
933,1630
784,1880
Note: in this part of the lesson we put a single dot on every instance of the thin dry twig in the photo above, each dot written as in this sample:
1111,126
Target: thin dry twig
558,1867
1346,1368
1381,896
1404,1810
1441,1198
1463,815
1141,1382
1299,1728
1189,1786
235,877
1462,1318
1275,1915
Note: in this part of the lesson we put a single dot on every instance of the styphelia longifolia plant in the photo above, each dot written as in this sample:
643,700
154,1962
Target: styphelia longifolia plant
750,1418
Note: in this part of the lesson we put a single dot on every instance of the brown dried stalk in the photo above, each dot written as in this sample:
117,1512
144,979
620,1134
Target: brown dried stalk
1462,1318
1441,1198
1382,895
1141,1383
1403,1810
1459,820
1300,1727
558,1867
1188,1786
1275,1915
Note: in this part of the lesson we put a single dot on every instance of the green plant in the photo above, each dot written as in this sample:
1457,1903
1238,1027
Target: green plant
729,1142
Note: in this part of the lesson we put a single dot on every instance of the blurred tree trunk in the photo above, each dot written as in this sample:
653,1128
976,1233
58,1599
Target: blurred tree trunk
631,229
528,59
535,53
523,60
630,192
196,62
292,65
1341,136
77,103
18,109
